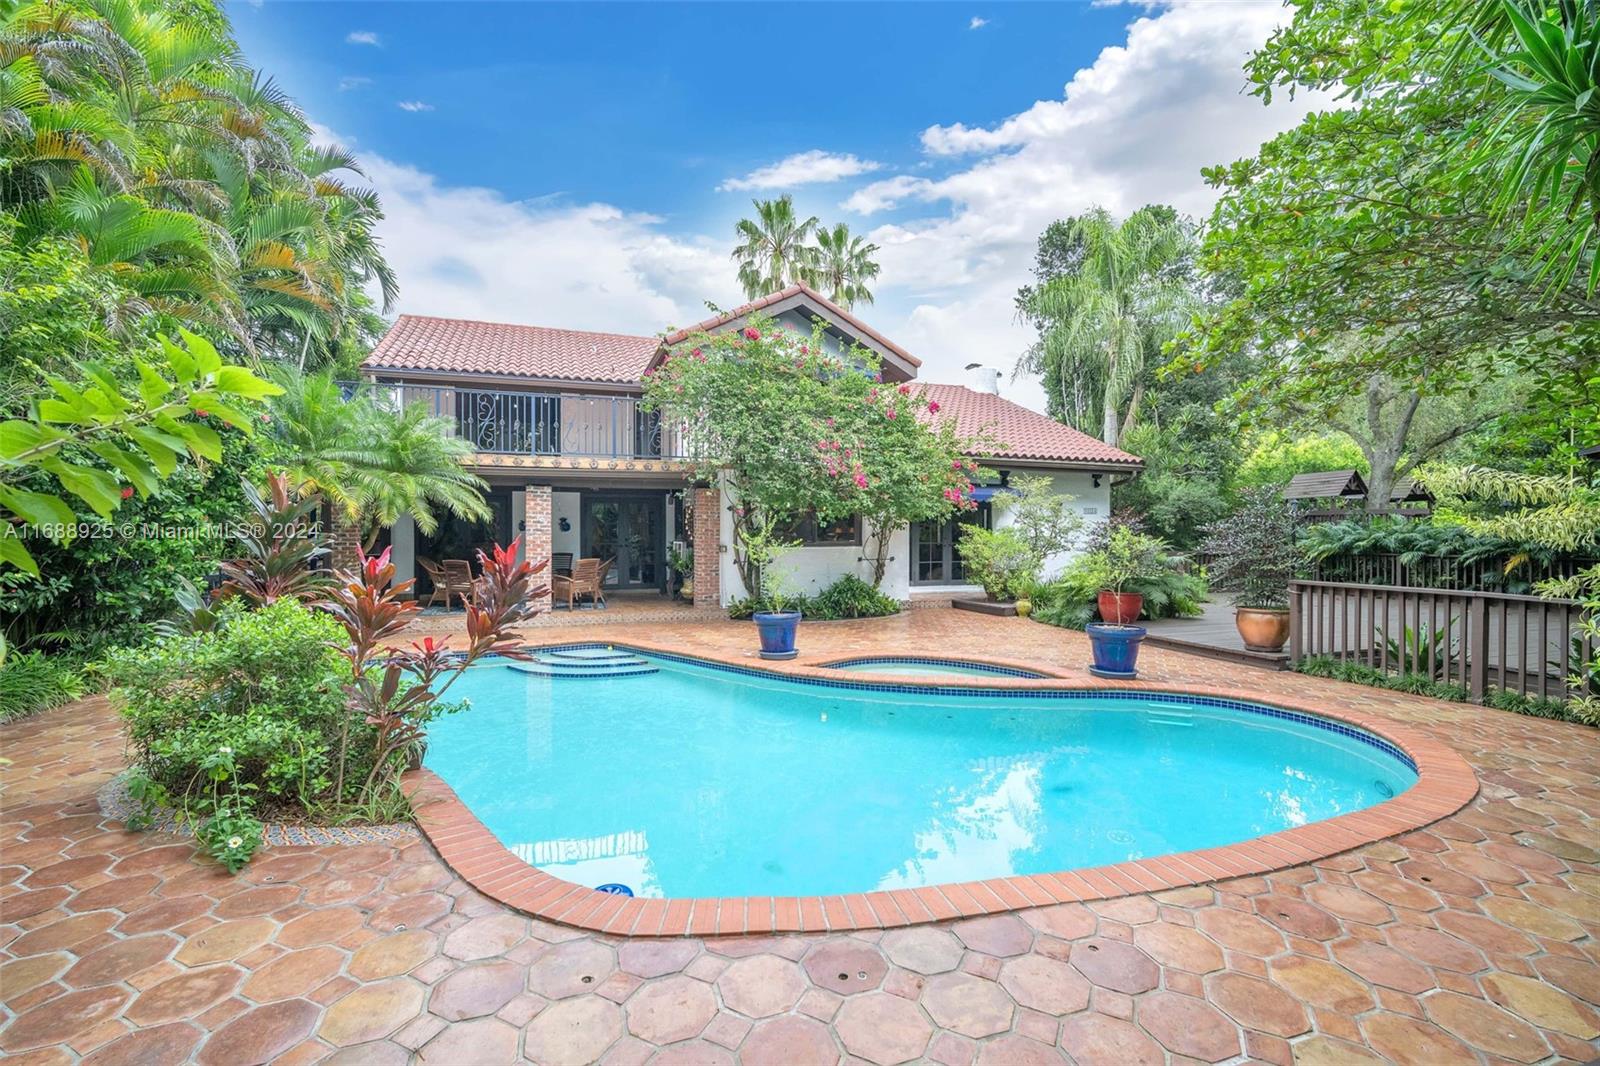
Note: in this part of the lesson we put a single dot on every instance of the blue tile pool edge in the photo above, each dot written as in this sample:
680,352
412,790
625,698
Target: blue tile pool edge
920,660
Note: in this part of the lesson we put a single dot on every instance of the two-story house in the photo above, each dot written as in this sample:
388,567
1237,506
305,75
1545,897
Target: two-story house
577,469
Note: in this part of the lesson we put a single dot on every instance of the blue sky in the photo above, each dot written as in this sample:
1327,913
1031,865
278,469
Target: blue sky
581,165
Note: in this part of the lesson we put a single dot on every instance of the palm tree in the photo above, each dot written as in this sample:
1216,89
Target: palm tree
372,463
772,252
1102,322
843,265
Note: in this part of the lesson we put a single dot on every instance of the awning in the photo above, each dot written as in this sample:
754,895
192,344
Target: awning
984,493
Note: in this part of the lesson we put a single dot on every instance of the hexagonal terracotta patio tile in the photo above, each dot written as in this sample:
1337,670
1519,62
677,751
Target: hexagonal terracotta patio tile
967,1004
1044,984
393,955
570,969
1486,1027
63,1018
473,991
482,938
1188,1026
922,949
1401,1039
1115,965
761,985
845,966
787,1041
1178,946
1543,1005
573,1030
226,941
1321,984
482,1042
882,1028
1097,1038
371,1012
173,1042
994,934
260,1035
670,1009
295,973
1257,1004
655,958
120,960
184,996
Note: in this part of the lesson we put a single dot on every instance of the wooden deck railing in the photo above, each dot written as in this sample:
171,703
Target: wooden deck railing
1480,640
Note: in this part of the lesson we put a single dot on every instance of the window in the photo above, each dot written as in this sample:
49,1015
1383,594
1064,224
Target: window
936,548
817,533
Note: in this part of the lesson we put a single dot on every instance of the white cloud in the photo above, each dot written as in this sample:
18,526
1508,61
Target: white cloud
1133,128
362,37
414,105
472,253
803,168
353,82
977,23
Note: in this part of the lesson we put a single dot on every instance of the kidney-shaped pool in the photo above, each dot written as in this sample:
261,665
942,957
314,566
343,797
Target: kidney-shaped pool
677,779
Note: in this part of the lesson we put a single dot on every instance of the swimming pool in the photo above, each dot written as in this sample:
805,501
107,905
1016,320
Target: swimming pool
682,779
916,666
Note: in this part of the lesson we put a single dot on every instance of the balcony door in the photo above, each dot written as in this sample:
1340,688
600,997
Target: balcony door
632,530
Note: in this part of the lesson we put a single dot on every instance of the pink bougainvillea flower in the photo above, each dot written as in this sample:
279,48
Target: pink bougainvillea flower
861,481
872,394
752,333
933,407
127,492
695,353
830,421
955,464
905,390
805,349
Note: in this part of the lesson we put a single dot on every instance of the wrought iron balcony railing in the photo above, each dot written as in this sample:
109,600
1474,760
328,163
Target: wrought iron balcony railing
539,423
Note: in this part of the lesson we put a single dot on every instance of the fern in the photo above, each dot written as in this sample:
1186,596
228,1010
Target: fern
35,682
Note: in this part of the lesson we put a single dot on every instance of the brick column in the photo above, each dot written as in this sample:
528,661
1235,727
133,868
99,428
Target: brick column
536,535
343,541
707,547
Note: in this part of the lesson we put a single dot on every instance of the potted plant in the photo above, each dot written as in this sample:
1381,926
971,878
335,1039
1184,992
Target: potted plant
778,622
1127,557
1253,550
683,563
1115,647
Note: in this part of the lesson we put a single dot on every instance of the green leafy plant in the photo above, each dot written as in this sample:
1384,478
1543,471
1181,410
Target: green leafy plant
1070,600
1253,550
98,429
1420,651
850,597
32,682
999,559
1128,557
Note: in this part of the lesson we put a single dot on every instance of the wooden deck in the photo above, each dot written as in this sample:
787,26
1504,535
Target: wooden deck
1212,634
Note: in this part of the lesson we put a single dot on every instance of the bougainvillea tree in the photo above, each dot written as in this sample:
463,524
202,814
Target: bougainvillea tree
788,428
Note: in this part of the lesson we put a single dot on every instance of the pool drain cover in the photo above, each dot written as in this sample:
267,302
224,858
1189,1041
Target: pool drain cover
614,889
1383,789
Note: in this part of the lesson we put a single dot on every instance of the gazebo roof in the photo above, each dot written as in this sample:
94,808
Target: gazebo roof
1324,485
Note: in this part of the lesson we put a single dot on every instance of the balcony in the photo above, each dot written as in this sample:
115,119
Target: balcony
548,424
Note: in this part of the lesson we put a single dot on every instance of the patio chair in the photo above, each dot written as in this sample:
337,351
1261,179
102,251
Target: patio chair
437,579
457,580
561,562
600,582
583,581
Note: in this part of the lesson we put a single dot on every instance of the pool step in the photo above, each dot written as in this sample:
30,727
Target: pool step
589,655
540,667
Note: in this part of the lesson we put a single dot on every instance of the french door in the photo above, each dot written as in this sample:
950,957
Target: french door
631,530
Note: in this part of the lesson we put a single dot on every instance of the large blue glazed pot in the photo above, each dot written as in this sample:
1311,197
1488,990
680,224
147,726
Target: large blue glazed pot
1116,649
777,633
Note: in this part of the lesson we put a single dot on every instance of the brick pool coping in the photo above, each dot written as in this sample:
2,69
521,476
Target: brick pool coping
1445,784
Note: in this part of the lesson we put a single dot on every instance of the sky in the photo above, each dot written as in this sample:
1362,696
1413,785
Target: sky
582,164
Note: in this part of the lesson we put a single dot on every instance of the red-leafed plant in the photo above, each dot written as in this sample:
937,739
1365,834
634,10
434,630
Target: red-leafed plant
398,691
279,545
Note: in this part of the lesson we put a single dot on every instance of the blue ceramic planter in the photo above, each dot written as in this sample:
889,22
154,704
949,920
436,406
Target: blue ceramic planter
777,633
1116,649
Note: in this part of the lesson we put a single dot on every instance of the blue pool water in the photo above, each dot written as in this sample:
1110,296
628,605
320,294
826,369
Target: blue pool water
692,781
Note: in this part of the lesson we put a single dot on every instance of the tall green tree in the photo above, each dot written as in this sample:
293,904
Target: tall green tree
1105,320
843,265
773,250
373,463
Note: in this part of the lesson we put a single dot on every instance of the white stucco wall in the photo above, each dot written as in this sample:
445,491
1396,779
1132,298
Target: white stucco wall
564,505
815,568
403,548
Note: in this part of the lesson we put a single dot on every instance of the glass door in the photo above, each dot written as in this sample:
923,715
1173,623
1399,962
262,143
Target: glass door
631,531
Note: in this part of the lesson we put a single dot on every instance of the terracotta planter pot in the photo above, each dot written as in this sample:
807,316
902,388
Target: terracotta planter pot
1263,628
1120,608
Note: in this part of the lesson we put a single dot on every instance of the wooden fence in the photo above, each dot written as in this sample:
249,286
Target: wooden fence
1480,640
1442,571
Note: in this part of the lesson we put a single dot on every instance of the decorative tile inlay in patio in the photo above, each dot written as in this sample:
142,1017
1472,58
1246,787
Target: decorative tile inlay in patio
1472,939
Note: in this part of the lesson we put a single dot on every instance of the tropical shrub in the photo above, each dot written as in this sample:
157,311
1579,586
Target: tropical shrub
851,597
1070,601
1000,560
1128,557
1360,673
32,682
1253,550
265,689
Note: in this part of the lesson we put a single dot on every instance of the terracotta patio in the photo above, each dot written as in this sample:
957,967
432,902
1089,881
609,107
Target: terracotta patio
1471,939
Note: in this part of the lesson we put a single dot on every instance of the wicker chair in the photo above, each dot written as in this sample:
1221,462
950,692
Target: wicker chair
436,578
561,562
583,581
457,580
